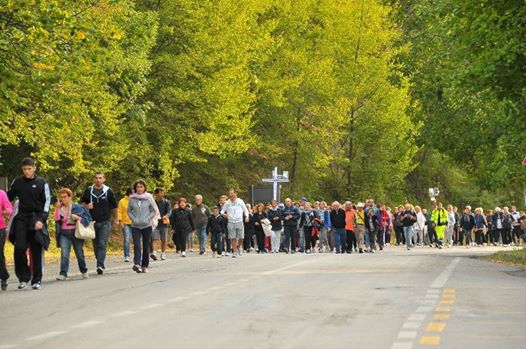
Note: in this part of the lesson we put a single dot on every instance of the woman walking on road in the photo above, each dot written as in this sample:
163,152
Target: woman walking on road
182,224
67,213
144,214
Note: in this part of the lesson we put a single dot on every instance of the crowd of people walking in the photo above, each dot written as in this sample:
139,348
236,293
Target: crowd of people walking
233,226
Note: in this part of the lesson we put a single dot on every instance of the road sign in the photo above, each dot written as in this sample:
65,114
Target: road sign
278,180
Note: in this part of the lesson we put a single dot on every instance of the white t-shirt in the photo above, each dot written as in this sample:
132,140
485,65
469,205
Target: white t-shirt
235,210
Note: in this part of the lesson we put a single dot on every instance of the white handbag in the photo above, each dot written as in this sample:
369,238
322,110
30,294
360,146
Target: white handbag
267,227
85,233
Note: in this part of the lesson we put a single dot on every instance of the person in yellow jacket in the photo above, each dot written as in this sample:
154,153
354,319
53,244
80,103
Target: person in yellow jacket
440,219
125,222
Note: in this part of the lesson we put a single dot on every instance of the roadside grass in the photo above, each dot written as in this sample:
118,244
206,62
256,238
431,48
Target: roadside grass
514,257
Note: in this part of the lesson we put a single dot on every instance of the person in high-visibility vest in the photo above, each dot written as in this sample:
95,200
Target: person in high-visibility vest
439,217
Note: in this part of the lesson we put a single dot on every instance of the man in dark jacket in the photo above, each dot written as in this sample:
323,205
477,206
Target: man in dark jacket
467,222
290,216
102,204
34,198
337,216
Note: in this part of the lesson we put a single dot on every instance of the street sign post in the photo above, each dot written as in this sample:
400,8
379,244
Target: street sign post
276,178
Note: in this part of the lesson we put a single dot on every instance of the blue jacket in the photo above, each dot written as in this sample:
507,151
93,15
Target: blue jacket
294,212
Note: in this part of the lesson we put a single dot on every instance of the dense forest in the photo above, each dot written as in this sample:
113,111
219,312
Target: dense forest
355,98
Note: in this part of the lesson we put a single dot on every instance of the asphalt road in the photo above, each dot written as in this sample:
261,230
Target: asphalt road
395,299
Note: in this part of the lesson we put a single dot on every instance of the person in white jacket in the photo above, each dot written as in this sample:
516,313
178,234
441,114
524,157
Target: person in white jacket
420,225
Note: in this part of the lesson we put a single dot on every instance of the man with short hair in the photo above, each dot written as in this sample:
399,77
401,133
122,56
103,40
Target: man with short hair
291,215
34,199
236,212
100,200
408,219
337,216
200,215
160,233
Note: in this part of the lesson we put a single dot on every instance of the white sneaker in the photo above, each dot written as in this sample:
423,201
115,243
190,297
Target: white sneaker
214,255
163,256
126,259
61,277
183,254
85,275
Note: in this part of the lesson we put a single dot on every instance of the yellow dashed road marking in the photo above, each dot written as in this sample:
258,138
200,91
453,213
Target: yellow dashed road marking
447,301
449,290
442,309
430,340
440,316
436,327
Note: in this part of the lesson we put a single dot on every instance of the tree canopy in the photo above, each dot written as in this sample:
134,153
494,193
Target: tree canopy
354,98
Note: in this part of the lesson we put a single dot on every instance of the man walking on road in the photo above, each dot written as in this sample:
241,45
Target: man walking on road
291,215
236,212
408,218
34,198
101,201
200,215
160,233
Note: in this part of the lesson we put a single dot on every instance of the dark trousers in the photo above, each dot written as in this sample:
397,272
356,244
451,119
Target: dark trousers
100,243
350,241
260,237
180,239
381,236
400,238
216,241
4,275
310,241
141,246
506,236
247,242
290,238
25,238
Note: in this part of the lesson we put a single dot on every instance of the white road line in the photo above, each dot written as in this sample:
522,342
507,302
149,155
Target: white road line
416,317
124,313
429,301
215,288
402,346
88,324
441,279
198,293
407,334
152,306
432,296
424,309
411,325
275,271
433,291
176,299
46,335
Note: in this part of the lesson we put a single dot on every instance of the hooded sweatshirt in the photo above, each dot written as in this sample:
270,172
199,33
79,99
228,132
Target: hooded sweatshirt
143,211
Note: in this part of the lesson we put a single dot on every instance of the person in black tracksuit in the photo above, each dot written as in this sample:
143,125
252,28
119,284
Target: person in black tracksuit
216,229
182,224
34,198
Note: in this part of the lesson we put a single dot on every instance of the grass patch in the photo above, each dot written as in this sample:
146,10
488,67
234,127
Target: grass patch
515,257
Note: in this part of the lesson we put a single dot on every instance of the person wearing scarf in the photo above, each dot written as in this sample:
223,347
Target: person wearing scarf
144,215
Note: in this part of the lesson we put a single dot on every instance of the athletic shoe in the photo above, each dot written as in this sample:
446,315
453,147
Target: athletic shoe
361,250
126,259
183,254
85,275
219,256
214,255
233,255
22,285
3,284
100,271
36,286
163,256
227,254
153,256
144,269
61,277
201,253
136,268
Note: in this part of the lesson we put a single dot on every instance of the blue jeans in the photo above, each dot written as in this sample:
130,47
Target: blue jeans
127,234
141,255
201,235
66,240
217,240
339,239
100,243
408,234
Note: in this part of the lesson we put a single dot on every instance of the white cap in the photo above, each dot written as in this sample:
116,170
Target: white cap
360,204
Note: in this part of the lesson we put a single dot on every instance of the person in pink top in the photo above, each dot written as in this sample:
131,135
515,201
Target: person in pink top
6,210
